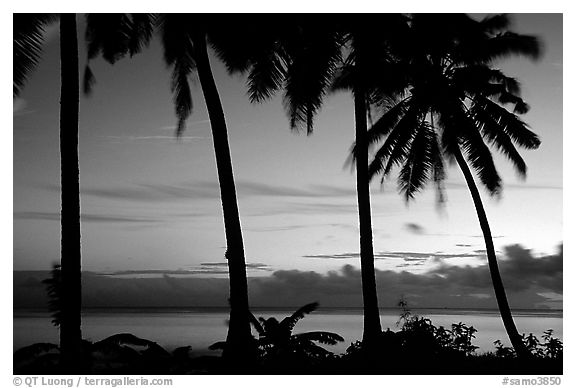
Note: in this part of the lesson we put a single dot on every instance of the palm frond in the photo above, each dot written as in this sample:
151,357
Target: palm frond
494,133
88,80
504,45
322,337
509,123
176,34
240,51
387,121
438,173
266,76
313,61
420,162
397,144
114,36
28,30
484,80
480,157
344,78
290,321
257,325
109,35
142,28
494,23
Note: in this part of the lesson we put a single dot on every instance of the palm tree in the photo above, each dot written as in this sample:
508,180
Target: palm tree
453,103
184,40
302,59
28,39
362,73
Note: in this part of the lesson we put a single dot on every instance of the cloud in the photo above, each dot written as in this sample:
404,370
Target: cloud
249,266
415,228
167,272
189,125
171,139
335,256
217,268
210,189
97,218
461,185
278,228
530,281
406,256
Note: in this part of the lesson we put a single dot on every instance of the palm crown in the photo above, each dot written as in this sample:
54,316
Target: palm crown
453,99
299,57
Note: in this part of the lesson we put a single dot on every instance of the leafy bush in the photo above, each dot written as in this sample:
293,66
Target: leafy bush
120,353
550,347
279,347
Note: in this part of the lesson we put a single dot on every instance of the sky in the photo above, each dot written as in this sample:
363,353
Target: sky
151,206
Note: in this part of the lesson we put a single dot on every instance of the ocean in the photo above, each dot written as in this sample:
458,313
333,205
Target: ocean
200,328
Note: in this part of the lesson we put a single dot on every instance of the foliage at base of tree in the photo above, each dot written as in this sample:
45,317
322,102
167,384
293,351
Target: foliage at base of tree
417,347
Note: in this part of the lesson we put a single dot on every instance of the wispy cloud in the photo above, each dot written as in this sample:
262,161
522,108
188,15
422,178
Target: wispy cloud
216,268
189,125
406,256
415,228
163,138
98,218
249,266
210,189
510,186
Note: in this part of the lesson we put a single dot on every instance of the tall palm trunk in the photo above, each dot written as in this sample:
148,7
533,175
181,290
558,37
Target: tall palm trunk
239,341
372,326
499,290
70,328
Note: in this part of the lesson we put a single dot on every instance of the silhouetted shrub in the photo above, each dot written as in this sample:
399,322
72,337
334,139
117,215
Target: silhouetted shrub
550,347
280,349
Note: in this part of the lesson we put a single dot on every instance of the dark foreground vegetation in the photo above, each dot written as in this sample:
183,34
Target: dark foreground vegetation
430,82
417,347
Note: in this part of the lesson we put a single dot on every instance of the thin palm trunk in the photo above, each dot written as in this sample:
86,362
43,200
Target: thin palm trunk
372,326
70,328
499,290
239,340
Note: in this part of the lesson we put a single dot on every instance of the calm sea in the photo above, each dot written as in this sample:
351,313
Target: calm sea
200,328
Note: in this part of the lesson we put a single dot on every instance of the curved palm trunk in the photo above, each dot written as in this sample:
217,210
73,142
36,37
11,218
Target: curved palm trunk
70,328
240,345
372,326
499,290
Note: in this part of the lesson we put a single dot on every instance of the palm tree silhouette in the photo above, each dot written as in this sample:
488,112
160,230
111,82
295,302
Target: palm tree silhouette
28,39
363,73
302,58
453,103
184,41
